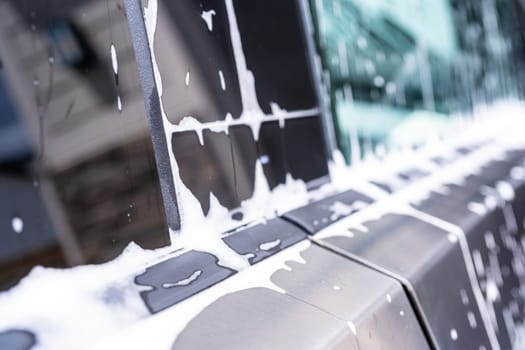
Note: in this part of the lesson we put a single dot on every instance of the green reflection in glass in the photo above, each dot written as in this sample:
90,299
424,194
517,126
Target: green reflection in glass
397,70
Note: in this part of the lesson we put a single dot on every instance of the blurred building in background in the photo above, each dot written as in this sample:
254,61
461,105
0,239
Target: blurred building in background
396,71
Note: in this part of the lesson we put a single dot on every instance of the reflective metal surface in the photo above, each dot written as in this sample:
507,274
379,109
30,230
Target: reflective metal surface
304,297
432,267
494,233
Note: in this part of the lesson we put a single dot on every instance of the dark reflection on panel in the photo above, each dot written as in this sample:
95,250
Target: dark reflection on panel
196,62
244,151
112,199
78,179
221,177
194,165
225,164
271,153
206,168
304,148
275,53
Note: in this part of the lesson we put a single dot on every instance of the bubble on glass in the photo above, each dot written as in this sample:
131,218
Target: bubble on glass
379,81
391,88
362,43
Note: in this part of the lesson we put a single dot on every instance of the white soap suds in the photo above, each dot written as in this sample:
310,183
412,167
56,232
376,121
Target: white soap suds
184,282
17,224
164,327
264,159
477,208
464,297
207,17
114,60
505,190
352,327
454,334
187,79
270,245
339,209
103,299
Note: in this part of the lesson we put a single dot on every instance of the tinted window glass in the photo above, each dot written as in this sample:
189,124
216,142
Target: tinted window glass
78,178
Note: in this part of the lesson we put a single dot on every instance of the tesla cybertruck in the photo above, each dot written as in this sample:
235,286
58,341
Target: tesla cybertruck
263,174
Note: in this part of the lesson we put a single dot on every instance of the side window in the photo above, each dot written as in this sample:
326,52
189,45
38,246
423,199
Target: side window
78,178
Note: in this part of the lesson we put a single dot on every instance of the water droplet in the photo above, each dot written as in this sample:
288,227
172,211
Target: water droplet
17,224
517,173
379,81
402,313
362,43
207,17
264,159
270,245
187,78
336,288
352,327
391,88
464,296
114,61
388,298
453,334
472,320
221,79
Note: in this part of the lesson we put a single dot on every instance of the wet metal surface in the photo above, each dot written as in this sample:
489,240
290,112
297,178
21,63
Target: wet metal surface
431,266
330,302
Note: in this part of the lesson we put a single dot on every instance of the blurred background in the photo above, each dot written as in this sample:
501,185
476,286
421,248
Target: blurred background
397,71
